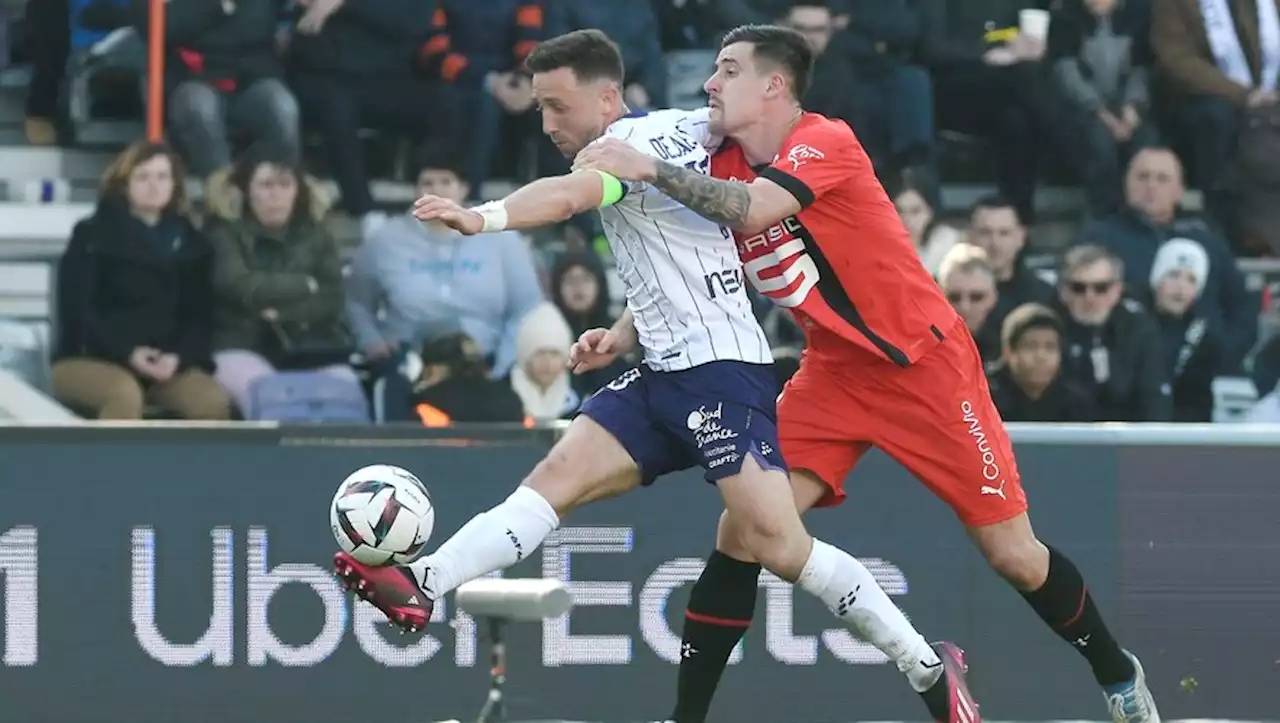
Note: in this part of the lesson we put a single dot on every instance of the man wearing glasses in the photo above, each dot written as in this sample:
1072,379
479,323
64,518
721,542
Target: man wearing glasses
1111,344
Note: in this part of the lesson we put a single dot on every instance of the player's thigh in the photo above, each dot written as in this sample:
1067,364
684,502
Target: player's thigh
760,508
940,423
807,490
612,446
586,465
822,430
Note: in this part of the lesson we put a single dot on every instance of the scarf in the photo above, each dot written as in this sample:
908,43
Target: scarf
542,406
1224,42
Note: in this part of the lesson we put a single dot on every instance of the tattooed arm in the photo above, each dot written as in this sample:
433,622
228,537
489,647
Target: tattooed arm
747,207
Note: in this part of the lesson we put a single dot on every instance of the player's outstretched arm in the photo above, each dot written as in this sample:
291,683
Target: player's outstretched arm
743,207
541,203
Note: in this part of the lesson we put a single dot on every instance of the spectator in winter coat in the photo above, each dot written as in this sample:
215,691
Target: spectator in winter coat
479,48
354,65
1190,343
1112,344
224,72
277,275
541,375
1212,66
892,90
988,78
1153,189
1101,55
135,299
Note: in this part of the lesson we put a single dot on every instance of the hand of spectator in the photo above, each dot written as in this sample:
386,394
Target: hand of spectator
318,12
618,159
999,56
143,361
1117,127
1132,117
1025,47
636,96
380,350
270,315
450,213
514,93
595,349
1258,98
166,365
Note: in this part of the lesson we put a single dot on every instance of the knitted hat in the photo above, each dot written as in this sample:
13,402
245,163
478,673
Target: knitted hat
1181,253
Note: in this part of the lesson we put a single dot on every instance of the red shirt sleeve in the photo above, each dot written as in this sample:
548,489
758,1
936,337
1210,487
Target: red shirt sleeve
815,159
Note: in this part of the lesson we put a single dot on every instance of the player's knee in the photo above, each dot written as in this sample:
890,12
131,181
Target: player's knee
559,481
1024,563
780,545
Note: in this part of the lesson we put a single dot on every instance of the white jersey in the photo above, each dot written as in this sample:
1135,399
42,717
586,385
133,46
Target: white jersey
682,273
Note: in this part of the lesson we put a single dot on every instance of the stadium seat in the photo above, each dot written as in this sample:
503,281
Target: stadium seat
1233,398
24,351
25,290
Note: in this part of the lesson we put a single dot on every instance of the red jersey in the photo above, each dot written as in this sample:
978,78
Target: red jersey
845,265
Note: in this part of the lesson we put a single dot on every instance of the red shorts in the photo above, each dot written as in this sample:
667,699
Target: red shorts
935,417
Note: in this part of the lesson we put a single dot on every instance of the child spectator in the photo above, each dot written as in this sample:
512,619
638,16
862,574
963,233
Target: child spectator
541,375
1026,384
453,385
1192,345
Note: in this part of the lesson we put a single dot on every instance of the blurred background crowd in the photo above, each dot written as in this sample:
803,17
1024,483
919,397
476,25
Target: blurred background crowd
1095,185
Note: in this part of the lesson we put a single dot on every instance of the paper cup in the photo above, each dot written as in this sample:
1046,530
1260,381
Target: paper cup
1034,22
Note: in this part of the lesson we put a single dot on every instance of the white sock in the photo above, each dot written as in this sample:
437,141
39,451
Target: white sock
491,541
849,590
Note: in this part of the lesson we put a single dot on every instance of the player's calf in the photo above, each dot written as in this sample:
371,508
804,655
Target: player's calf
1056,591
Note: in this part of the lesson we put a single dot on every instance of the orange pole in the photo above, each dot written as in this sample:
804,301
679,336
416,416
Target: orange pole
155,71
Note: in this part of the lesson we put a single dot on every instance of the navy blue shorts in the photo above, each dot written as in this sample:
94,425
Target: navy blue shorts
711,416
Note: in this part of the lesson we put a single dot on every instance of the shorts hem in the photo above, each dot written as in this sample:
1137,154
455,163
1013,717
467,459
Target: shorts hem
989,520
713,476
646,479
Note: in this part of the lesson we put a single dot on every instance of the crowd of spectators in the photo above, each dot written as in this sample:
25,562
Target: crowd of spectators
165,309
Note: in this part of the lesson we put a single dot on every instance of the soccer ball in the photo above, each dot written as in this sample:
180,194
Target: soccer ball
382,515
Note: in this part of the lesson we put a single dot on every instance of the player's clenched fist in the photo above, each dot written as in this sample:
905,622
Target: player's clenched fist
616,158
595,349
435,209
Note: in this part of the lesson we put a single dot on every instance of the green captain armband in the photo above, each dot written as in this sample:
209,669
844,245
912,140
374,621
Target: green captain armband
613,190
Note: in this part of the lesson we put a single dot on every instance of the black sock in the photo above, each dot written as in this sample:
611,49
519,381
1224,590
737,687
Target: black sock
1065,604
720,609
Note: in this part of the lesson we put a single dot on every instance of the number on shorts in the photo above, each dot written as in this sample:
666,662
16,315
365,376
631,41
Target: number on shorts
624,380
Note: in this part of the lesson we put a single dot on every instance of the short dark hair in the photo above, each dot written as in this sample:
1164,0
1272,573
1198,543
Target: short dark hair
995,202
781,46
437,157
1025,318
590,54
